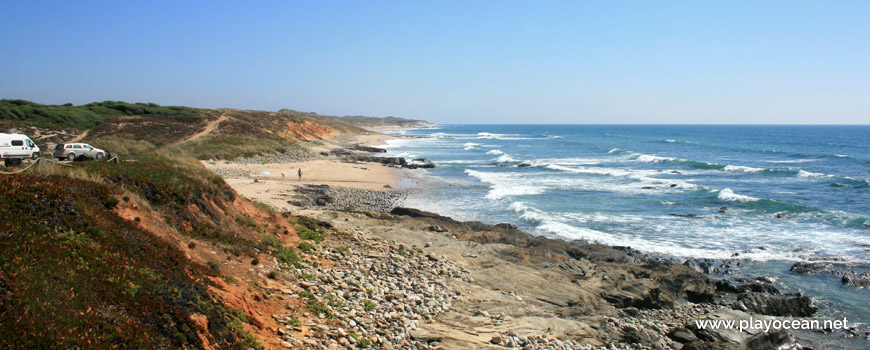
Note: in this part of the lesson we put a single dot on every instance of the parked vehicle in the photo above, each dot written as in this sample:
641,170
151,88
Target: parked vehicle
14,148
74,151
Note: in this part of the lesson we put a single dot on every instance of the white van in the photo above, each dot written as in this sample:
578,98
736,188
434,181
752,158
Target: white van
16,147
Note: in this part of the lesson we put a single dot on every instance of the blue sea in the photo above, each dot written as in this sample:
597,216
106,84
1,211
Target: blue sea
768,195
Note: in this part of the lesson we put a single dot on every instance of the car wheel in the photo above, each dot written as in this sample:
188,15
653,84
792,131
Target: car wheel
71,157
35,156
99,156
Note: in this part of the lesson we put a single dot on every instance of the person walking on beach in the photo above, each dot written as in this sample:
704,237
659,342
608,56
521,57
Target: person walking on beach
300,174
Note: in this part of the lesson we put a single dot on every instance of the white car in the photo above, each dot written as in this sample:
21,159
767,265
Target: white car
73,151
16,147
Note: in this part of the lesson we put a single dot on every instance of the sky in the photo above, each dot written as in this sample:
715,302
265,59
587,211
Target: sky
488,62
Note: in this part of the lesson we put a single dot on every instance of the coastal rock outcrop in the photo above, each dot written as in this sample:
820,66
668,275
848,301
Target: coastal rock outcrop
371,149
852,278
733,337
811,268
795,305
630,278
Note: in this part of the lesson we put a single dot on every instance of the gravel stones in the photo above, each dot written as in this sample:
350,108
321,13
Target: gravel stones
379,292
347,199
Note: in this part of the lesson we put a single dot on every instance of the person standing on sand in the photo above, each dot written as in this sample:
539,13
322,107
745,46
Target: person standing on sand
300,174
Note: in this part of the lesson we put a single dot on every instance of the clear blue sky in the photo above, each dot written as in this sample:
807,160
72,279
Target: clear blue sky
452,61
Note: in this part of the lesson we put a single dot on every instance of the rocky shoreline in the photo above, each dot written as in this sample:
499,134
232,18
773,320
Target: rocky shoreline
400,278
582,296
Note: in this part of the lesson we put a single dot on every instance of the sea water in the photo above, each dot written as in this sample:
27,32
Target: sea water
768,195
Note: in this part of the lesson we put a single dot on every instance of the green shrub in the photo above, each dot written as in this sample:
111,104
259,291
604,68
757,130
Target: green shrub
288,256
368,305
111,202
272,241
305,247
305,233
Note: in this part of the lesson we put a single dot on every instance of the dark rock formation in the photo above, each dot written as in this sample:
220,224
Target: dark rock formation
852,278
640,293
682,335
725,338
369,149
811,268
632,279
796,305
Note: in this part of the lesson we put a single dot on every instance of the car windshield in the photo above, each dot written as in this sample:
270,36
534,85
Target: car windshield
58,147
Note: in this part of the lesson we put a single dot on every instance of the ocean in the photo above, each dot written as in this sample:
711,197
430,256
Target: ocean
767,195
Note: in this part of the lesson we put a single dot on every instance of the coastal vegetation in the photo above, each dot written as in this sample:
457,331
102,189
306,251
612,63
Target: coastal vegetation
88,115
78,273
74,273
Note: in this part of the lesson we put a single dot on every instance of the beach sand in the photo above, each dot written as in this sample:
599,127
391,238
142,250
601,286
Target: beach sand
275,190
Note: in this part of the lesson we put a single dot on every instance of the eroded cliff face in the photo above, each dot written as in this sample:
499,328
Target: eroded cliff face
307,131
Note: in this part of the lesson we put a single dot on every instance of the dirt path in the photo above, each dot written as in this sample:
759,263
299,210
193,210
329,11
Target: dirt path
209,127
79,137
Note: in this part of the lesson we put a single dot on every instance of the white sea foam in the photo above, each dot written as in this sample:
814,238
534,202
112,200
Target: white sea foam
810,175
742,169
505,158
490,136
470,146
648,158
592,171
506,184
485,135
396,143
568,161
495,152
615,150
842,155
672,141
528,214
729,195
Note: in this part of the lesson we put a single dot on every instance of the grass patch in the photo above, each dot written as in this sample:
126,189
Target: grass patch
334,302
305,247
124,146
266,207
295,322
316,306
308,234
272,241
341,249
233,146
368,305
231,280
288,257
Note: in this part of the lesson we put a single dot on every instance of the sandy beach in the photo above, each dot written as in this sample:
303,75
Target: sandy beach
273,182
